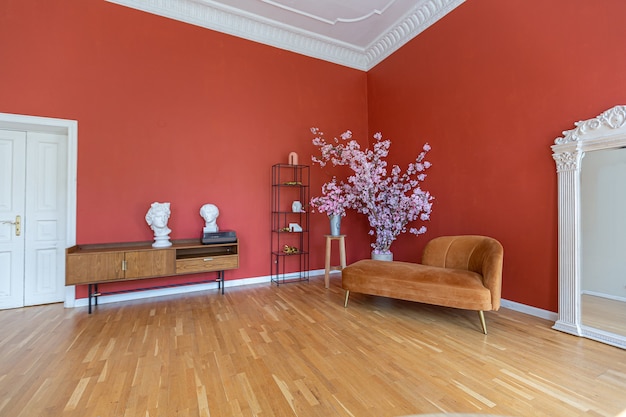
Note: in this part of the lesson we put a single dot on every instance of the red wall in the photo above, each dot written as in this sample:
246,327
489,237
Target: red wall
490,86
171,112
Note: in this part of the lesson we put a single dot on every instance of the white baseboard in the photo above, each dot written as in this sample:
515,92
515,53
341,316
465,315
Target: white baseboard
604,295
138,295
530,310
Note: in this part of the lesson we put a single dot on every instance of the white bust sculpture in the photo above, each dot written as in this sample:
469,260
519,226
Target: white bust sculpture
157,217
210,213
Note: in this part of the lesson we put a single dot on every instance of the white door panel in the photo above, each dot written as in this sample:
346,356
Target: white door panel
45,227
12,200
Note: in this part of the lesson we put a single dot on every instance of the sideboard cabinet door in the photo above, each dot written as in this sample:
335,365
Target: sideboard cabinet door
84,268
151,263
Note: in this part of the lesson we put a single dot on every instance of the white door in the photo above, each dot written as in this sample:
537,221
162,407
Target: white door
12,203
34,258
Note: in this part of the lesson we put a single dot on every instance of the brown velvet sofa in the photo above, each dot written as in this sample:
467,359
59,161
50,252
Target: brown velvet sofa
456,271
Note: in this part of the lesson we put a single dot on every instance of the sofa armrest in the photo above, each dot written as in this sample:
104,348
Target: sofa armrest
481,254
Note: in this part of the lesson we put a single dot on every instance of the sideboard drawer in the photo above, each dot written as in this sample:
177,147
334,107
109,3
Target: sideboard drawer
207,264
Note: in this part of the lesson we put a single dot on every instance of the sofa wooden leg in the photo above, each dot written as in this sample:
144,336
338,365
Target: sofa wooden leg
482,320
345,303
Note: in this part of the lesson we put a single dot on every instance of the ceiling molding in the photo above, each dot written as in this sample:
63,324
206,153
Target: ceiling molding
237,22
414,23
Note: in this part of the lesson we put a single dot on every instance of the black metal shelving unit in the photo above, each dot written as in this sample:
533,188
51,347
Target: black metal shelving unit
290,248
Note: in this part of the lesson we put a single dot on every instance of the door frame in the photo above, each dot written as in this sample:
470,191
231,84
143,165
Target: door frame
68,128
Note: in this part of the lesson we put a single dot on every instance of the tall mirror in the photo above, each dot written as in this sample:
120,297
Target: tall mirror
591,171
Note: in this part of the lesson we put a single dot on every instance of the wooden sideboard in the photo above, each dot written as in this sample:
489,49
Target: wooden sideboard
113,262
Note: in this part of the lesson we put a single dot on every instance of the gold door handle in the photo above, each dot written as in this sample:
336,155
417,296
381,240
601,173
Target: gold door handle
17,223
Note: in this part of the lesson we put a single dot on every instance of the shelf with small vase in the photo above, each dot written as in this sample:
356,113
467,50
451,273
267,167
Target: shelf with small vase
289,255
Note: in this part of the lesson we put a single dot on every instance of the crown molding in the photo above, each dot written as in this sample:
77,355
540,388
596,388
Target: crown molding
221,18
415,22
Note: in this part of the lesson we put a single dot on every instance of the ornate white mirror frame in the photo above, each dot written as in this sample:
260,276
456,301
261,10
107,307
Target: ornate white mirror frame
606,131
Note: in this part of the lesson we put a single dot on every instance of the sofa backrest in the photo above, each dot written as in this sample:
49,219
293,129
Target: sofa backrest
481,254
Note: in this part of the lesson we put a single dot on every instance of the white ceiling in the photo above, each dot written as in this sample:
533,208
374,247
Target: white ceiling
355,33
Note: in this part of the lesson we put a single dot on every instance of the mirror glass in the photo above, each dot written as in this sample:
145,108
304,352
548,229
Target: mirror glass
603,240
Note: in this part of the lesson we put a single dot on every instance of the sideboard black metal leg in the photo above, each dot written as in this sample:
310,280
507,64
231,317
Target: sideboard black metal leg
220,277
89,289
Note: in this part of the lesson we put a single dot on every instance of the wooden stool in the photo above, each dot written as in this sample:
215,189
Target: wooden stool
342,256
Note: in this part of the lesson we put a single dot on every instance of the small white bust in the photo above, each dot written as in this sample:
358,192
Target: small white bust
157,217
210,213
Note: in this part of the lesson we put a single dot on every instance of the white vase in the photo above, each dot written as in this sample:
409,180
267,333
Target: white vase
382,256
335,224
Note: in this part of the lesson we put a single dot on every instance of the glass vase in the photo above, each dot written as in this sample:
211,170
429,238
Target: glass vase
382,256
335,224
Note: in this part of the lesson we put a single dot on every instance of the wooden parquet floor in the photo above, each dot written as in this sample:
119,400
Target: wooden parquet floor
294,350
